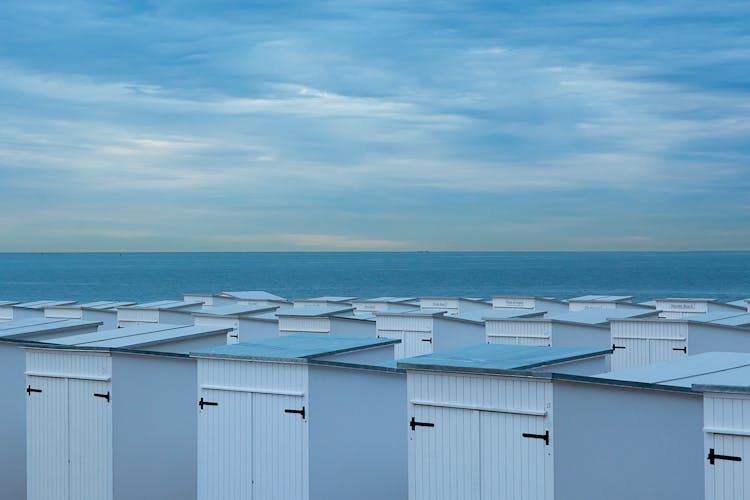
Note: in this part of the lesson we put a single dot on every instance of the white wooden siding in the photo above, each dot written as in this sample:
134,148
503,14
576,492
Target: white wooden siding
726,420
225,446
278,448
69,364
646,342
513,466
513,303
137,316
63,312
90,428
444,459
249,446
289,326
476,448
47,439
519,332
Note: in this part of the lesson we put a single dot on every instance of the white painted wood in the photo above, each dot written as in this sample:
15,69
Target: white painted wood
278,446
519,332
726,479
90,440
398,349
47,439
646,342
292,325
512,466
444,459
417,343
225,446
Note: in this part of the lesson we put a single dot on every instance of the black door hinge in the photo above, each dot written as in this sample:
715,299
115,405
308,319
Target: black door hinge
683,349
617,347
712,457
104,396
544,436
29,390
414,424
203,403
298,412
234,336
427,340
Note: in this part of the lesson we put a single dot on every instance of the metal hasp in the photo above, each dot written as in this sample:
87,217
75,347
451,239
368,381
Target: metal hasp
414,424
299,412
712,457
617,347
427,340
203,403
683,349
29,390
544,436
103,396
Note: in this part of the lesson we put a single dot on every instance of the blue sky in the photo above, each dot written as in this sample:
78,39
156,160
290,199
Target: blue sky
374,125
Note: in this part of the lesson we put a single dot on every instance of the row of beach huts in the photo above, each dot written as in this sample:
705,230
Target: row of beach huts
248,395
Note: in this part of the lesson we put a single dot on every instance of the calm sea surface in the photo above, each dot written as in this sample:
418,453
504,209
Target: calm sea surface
154,276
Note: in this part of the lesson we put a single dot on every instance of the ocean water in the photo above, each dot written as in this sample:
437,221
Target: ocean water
154,276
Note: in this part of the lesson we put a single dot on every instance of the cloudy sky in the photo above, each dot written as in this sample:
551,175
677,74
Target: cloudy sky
374,125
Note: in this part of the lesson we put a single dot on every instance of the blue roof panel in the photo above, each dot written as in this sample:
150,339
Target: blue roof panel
489,358
291,347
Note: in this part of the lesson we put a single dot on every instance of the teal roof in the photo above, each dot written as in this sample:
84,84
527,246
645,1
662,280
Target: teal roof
315,311
233,310
493,358
115,333
299,347
253,295
49,326
155,338
711,368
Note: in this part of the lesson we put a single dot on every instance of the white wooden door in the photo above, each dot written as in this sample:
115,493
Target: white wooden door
47,438
444,454
277,435
666,350
629,352
417,343
516,457
728,477
225,445
90,447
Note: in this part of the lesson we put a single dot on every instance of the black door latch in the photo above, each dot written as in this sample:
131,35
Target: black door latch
712,457
29,390
105,396
544,437
298,412
683,349
202,403
414,424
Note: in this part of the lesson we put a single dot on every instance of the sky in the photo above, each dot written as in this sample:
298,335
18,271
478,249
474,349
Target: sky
374,125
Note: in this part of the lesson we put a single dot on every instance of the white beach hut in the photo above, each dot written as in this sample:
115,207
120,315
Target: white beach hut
584,328
383,304
103,310
14,334
27,310
452,306
743,303
481,424
326,320
209,299
549,305
425,331
605,302
112,418
638,342
175,312
486,426
677,308
325,301
308,417
235,317
259,298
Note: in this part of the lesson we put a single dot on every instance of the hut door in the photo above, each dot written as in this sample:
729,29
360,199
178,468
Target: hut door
516,457
224,445
47,438
666,349
394,334
278,422
727,467
629,352
443,453
417,343
90,426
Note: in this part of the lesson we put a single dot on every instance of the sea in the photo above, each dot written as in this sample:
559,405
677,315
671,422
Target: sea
144,277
